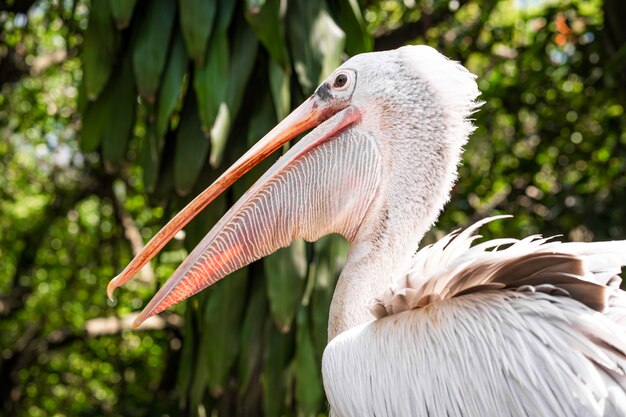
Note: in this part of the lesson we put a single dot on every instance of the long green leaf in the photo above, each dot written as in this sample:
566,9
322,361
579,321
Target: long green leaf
210,81
192,148
328,41
280,86
316,42
151,46
329,254
222,319
277,355
150,157
352,22
187,357
309,392
99,49
241,66
265,17
196,21
285,270
122,11
94,122
123,97
117,103
200,378
172,85
252,335
261,121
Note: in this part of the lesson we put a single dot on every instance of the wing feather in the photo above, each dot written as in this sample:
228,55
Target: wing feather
452,267
504,328
501,353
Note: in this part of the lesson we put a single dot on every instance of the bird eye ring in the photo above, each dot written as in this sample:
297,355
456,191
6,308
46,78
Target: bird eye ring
341,80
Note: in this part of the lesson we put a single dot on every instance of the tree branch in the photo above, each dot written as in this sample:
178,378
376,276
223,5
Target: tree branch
107,326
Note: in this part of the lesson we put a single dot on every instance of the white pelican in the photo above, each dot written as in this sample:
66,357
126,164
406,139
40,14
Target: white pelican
534,329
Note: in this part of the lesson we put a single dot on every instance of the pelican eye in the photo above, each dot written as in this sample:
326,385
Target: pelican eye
340,81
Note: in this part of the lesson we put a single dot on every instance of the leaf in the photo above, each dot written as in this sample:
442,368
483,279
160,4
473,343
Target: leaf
225,15
316,42
150,157
201,368
196,22
329,255
187,357
242,63
245,47
262,120
222,318
277,355
210,81
94,121
151,46
117,102
192,148
309,392
328,41
172,85
122,12
265,17
285,271
252,335
123,101
299,27
99,49
351,21
163,189
281,93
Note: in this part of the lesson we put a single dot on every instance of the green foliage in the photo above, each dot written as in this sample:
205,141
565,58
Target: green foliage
150,46
155,98
551,143
99,49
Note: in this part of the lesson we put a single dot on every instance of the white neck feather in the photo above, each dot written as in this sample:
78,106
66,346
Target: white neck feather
422,152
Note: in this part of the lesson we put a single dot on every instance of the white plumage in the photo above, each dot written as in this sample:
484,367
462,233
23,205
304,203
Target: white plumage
526,350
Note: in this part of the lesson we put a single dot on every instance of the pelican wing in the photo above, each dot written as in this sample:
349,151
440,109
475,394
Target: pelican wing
452,267
533,329
499,353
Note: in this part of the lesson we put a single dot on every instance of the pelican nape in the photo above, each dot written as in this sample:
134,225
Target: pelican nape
535,329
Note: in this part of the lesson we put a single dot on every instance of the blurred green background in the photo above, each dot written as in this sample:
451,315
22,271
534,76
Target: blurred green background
115,113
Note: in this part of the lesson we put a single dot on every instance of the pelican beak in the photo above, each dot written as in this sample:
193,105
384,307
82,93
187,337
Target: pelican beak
238,238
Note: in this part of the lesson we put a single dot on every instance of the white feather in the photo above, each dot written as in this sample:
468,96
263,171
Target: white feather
500,353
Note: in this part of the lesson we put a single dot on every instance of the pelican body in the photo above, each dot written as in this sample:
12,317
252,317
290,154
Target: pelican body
504,328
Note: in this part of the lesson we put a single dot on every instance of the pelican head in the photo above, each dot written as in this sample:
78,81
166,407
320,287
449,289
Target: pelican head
377,167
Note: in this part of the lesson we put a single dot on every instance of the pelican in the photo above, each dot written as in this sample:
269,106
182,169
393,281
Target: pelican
529,327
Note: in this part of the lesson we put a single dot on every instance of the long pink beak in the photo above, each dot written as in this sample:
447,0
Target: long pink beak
233,242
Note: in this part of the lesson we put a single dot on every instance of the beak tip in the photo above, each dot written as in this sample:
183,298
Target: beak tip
111,288
141,317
